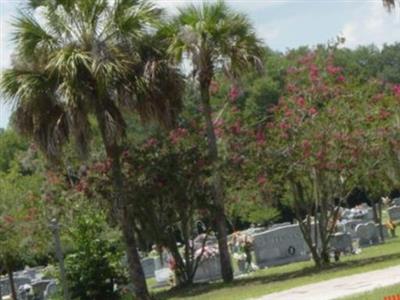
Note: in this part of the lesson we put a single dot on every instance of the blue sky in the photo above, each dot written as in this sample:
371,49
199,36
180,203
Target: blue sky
282,24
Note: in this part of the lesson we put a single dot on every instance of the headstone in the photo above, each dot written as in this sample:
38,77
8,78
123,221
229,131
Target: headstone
394,213
50,290
396,201
18,281
350,227
39,287
148,266
279,225
209,269
279,246
346,214
342,242
367,234
205,240
384,231
163,275
369,214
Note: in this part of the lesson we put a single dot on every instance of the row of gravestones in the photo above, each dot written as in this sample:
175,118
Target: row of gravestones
43,289
394,210
284,243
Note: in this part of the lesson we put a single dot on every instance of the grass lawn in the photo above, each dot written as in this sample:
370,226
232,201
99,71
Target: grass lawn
378,294
288,276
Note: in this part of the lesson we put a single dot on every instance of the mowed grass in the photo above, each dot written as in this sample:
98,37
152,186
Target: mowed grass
378,294
285,277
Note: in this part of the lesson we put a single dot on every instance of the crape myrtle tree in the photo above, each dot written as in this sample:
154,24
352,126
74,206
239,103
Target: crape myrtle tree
77,65
315,142
214,37
167,180
21,224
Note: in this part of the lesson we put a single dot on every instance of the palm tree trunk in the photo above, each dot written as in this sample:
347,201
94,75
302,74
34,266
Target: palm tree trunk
134,265
225,259
120,206
12,284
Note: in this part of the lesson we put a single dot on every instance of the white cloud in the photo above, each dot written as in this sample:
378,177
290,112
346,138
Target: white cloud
372,24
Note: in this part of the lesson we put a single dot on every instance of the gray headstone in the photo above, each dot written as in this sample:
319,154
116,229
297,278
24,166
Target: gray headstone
350,227
18,281
394,213
342,242
209,269
396,201
39,287
148,265
50,290
384,231
279,246
279,225
367,234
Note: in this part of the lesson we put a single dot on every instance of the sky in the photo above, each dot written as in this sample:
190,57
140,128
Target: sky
281,24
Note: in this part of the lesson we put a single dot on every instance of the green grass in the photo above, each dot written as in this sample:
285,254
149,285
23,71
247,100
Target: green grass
285,277
378,294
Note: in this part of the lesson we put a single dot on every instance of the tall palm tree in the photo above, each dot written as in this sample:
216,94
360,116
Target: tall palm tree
215,38
91,59
389,4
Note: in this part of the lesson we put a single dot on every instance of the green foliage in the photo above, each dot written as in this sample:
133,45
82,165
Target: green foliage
10,145
95,265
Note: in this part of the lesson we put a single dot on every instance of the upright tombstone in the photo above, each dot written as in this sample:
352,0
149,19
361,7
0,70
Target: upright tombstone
209,269
394,213
280,246
350,227
367,234
342,242
50,290
148,266
396,202
39,288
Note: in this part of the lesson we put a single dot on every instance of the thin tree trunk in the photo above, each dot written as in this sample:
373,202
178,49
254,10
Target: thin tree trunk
225,259
12,284
120,209
134,265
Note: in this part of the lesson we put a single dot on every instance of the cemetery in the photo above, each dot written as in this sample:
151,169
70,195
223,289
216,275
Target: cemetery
199,150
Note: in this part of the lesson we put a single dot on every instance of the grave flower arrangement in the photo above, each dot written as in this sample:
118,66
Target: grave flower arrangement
207,252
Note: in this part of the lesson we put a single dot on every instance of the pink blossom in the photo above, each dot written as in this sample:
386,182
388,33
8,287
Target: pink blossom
261,180
234,93
396,90
312,111
260,137
301,102
340,79
332,70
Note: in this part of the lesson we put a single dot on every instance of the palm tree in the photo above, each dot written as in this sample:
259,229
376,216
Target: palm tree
214,37
84,60
389,4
